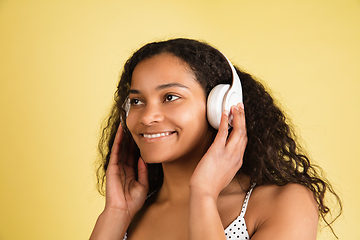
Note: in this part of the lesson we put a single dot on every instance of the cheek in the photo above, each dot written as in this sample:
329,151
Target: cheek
194,114
131,122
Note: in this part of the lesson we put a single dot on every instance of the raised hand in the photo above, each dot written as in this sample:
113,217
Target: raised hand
224,157
124,195
123,191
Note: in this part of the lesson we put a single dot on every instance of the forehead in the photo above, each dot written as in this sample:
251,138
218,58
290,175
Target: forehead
163,69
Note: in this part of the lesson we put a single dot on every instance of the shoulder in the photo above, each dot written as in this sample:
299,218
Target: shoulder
290,193
284,211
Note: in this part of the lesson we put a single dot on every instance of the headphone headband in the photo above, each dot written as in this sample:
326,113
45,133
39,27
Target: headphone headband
222,97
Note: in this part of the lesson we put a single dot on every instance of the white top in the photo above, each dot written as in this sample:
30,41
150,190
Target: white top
237,229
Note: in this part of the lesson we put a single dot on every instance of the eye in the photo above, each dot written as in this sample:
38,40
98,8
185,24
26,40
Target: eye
170,97
135,102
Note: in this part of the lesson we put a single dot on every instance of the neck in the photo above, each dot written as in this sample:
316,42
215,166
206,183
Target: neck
177,175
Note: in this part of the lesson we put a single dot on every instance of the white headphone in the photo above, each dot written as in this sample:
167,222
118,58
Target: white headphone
222,97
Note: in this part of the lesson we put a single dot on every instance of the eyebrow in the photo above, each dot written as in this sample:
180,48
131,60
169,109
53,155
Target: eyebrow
169,85
160,87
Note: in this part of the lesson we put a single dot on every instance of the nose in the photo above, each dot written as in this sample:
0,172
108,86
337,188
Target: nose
151,114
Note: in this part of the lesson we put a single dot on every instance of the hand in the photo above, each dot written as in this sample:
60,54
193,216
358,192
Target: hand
224,157
123,192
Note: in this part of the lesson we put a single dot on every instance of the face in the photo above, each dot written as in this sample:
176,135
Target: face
167,117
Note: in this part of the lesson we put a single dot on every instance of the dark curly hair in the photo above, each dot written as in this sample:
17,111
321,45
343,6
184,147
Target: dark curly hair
272,155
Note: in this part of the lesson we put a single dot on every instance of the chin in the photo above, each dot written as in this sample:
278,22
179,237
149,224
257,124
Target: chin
154,158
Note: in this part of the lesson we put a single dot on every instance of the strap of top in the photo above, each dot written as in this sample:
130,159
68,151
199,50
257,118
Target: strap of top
246,201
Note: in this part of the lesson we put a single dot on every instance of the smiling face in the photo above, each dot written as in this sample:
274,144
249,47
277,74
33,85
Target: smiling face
167,117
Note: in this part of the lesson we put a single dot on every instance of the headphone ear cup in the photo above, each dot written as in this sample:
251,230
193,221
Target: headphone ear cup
126,106
215,104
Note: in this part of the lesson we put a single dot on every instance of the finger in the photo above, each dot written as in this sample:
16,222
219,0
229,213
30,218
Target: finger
239,127
115,149
223,129
128,171
129,157
242,122
242,115
143,173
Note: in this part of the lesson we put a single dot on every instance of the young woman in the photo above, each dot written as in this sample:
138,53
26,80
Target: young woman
170,175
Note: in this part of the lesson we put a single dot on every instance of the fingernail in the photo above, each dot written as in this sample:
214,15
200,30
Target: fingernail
241,105
226,112
236,108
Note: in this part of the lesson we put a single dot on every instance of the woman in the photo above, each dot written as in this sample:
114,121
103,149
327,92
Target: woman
170,175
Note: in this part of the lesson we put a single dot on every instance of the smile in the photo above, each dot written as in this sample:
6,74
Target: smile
156,135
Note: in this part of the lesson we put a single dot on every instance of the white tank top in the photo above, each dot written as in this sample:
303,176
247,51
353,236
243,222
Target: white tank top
237,230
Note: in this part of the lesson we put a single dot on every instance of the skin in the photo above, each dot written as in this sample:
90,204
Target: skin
200,195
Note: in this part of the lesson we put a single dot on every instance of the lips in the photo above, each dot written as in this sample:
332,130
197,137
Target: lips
156,135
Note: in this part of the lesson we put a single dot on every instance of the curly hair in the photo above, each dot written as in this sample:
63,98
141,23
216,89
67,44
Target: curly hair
272,155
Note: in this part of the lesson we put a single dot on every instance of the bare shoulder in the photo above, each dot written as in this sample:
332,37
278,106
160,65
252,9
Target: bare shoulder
282,212
275,194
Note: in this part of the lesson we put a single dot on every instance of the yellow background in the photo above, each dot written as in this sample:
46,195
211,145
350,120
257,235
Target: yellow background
59,63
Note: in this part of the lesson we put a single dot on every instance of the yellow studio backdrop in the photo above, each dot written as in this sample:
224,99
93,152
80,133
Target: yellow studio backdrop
59,64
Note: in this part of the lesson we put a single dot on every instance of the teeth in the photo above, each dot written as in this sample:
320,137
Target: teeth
156,135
